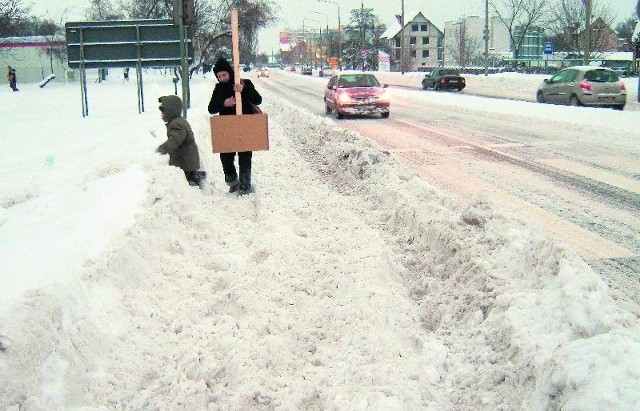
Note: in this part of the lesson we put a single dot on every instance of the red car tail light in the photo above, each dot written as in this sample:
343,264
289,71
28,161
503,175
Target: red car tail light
622,86
585,86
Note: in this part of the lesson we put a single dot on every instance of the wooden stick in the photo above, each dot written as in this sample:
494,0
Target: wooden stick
235,41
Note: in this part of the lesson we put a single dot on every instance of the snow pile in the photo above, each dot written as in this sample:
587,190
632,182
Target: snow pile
345,282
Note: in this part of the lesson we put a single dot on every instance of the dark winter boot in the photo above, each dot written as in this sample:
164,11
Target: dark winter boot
245,183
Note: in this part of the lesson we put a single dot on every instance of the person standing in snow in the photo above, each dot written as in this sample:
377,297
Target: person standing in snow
181,144
13,78
223,101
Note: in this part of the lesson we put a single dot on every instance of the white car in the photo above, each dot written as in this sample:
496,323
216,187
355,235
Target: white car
326,71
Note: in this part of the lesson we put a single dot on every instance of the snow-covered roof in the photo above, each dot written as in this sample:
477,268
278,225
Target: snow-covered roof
617,56
394,27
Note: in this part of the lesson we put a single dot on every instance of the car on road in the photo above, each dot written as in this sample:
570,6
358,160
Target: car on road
326,71
263,72
356,94
584,86
444,78
307,70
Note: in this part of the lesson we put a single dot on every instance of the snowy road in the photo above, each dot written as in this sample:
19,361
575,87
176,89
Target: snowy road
574,171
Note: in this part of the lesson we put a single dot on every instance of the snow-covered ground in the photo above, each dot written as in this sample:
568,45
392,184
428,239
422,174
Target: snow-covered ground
344,282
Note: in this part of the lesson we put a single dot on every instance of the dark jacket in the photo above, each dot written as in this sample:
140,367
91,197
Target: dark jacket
223,91
180,145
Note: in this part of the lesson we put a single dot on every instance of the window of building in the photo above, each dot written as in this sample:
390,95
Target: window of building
397,41
425,40
414,27
413,53
423,27
425,53
412,40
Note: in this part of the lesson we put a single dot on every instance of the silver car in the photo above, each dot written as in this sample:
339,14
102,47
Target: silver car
584,86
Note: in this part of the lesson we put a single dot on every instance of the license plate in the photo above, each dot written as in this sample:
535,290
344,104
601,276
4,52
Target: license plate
453,81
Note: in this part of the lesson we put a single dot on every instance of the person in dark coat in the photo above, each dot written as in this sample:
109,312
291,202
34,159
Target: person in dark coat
180,145
13,78
223,101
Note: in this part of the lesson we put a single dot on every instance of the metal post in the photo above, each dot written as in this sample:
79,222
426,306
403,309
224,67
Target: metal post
362,34
184,66
339,33
587,33
402,37
486,37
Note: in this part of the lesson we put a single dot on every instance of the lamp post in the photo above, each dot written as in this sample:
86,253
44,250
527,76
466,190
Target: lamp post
320,25
326,19
486,38
587,33
339,33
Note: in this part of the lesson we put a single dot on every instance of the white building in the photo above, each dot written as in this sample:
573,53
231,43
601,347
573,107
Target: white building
28,55
473,27
423,43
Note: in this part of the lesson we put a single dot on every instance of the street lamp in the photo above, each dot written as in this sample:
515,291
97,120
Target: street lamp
319,25
326,19
339,33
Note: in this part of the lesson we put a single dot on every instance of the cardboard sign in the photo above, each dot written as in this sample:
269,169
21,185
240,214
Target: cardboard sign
231,134
242,132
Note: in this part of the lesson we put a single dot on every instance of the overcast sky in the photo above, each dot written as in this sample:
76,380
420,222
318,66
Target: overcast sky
292,13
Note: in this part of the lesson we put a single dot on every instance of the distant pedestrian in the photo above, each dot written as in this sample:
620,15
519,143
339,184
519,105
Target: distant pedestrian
13,78
126,74
180,145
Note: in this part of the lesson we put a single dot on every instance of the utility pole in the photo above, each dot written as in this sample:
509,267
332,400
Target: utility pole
362,55
486,38
402,37
587,33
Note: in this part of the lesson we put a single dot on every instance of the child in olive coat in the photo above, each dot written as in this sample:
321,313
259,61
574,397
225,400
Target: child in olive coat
180,145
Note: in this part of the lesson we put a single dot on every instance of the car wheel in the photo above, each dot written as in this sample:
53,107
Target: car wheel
540,97
385,115
574,101
339,115
618,107
424,85
327,109
436,87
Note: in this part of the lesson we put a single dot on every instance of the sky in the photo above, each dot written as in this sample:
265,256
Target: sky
292,14
346,281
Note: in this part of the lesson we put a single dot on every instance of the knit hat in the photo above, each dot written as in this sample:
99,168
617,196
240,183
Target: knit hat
222,65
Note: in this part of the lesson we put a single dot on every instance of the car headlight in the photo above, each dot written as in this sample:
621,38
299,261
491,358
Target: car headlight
344,98
385,97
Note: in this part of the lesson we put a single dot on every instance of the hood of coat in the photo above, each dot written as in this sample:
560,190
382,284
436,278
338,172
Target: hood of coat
171,106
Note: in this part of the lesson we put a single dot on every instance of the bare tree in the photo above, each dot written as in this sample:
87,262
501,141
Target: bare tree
101,10
53,33
13,16
519,17
566,24
465,48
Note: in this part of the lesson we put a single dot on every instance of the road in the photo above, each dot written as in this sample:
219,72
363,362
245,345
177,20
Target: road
573,180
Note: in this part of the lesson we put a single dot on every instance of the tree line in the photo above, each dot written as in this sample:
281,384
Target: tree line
210,25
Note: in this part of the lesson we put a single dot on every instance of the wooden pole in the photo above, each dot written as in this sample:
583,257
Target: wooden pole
235,42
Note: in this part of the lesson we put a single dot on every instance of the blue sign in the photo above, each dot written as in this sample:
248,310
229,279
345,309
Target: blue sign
548,47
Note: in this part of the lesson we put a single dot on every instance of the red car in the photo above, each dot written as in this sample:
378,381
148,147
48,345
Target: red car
356,94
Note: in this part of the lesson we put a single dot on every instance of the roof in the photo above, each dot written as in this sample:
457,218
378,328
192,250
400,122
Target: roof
395,27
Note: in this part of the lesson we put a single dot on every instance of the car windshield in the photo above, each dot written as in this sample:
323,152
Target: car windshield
358,80
601,76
